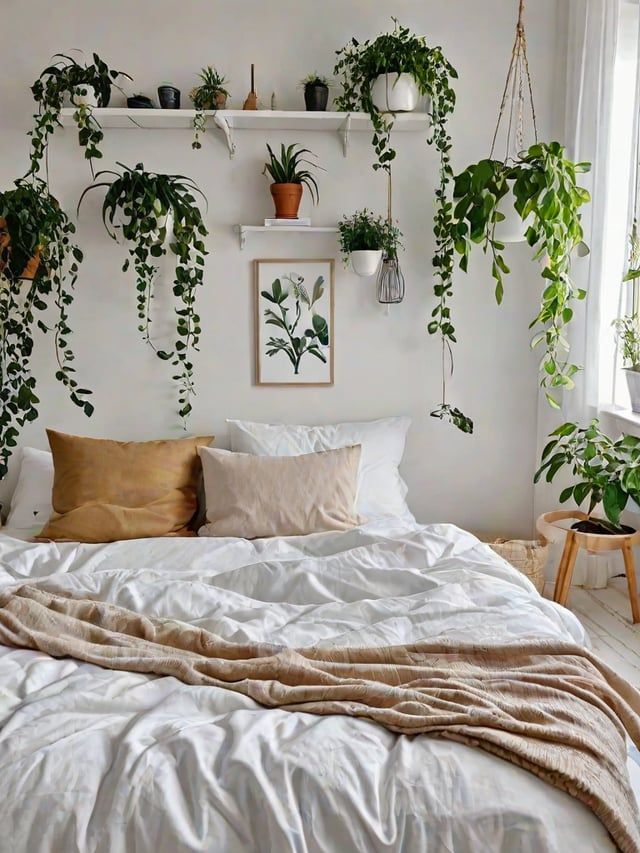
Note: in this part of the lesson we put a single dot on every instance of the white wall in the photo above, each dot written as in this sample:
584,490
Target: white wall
384,365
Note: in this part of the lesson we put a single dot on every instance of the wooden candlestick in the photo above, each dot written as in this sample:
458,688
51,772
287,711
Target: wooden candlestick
251,102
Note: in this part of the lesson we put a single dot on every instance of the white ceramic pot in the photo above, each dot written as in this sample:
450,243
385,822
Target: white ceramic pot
166,222
633,384
395,93
512,229
89,99
365,262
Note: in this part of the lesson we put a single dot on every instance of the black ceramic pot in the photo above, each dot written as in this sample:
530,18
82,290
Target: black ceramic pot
169,97
139,102
316,96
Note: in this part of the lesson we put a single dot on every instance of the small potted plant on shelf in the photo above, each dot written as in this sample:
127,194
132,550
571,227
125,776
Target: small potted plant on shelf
86,86
289,174
628,335
38,270
364,238
605,471
210,94
316,92
168,96
156,214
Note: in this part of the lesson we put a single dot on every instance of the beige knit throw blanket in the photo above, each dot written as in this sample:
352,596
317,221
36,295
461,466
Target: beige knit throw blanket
550,707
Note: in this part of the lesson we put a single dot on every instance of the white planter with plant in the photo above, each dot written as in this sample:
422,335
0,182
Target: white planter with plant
364,239
628,335
395,93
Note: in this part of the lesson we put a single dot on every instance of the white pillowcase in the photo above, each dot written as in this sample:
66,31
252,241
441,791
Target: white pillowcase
31,501
381,489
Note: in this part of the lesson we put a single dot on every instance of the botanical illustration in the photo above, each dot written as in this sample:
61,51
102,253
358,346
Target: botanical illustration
304,331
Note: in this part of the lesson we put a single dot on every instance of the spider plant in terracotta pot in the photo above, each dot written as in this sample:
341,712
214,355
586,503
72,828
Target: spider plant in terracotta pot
289,174
210,94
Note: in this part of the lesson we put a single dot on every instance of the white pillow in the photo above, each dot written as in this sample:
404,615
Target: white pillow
31,501
381,489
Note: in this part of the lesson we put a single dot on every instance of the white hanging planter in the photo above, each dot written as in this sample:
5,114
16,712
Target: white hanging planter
512,229
395,93
365,262
633,384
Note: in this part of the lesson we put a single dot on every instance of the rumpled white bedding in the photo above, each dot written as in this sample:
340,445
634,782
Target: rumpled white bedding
97,760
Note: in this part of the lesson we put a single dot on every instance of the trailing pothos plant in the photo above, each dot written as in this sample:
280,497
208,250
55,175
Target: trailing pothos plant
605,471
541,184
68,78
155,214
401,51
38,269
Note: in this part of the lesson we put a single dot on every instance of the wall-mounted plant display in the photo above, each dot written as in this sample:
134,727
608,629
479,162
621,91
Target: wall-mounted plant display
86,87
209,94
289,174
605,471
38,270
541,185
156,214
364,238
316,92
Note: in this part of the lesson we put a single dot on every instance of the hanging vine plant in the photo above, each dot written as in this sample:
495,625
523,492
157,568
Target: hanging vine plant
395,53
85,86
38,269
157,214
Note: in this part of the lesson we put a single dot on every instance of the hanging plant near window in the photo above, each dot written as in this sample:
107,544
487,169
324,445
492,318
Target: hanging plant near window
156,214
86,87
210,94
529,195
38,269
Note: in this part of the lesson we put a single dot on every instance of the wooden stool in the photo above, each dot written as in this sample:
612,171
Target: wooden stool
593,543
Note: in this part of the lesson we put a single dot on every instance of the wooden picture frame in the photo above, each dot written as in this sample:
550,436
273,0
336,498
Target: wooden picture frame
301,292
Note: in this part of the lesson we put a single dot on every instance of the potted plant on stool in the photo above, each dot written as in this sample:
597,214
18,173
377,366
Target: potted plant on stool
364,238
288,175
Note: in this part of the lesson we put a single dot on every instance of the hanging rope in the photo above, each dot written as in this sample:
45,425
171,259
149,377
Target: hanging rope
517,89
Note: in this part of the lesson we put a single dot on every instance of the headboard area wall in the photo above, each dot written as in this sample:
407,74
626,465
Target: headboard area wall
384,361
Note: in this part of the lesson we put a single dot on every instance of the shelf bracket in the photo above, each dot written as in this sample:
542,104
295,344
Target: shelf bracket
344,132
242,236
222,123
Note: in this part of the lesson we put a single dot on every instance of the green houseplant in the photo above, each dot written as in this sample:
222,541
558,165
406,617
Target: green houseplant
606,471
364,238
541,184
86,86
209,94
38,269
289,173
316,92
157,214
628,335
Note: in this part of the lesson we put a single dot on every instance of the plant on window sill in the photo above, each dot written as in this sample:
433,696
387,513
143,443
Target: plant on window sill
38,270
157,213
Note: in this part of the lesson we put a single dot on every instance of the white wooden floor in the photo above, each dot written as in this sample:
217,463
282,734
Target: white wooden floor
606,615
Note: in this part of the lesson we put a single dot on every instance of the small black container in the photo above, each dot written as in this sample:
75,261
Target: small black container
316,96
139,102
169,97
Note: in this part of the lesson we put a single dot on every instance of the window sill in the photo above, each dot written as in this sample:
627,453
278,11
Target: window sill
624,419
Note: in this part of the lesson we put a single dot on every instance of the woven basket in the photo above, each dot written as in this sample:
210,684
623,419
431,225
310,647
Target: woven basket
527,556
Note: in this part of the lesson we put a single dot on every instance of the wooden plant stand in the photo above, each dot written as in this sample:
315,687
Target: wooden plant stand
593,543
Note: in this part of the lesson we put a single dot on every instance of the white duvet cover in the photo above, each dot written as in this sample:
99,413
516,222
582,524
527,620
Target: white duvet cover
95,760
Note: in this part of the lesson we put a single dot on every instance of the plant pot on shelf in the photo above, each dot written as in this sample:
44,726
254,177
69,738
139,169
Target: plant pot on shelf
633,384
33,264
84,96
169,97
316,96
286,198
365,262
395,93
139,102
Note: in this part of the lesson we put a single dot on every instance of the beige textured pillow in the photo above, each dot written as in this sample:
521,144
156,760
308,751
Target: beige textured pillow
105,490
258,496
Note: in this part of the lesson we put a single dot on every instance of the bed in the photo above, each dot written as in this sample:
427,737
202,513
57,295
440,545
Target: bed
100,760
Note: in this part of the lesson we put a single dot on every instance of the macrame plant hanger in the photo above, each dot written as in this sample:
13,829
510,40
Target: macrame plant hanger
517,89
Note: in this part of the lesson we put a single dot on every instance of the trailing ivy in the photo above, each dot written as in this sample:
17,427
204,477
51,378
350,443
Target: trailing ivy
67,78
156,213
542,183
38,269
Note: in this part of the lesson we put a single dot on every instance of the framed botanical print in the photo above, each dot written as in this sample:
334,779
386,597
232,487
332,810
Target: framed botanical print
294,322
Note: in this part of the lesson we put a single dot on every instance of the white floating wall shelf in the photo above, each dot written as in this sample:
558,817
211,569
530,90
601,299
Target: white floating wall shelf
230,121
243,230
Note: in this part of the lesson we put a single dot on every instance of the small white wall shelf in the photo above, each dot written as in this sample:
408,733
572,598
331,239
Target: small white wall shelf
229,121
243,230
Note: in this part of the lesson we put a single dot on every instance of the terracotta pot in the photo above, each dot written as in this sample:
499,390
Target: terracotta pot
286,198
221,101
32,266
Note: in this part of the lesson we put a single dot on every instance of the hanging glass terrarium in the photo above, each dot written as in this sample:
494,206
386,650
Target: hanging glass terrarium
390,286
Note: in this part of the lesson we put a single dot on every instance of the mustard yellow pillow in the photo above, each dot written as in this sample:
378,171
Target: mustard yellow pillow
105,490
